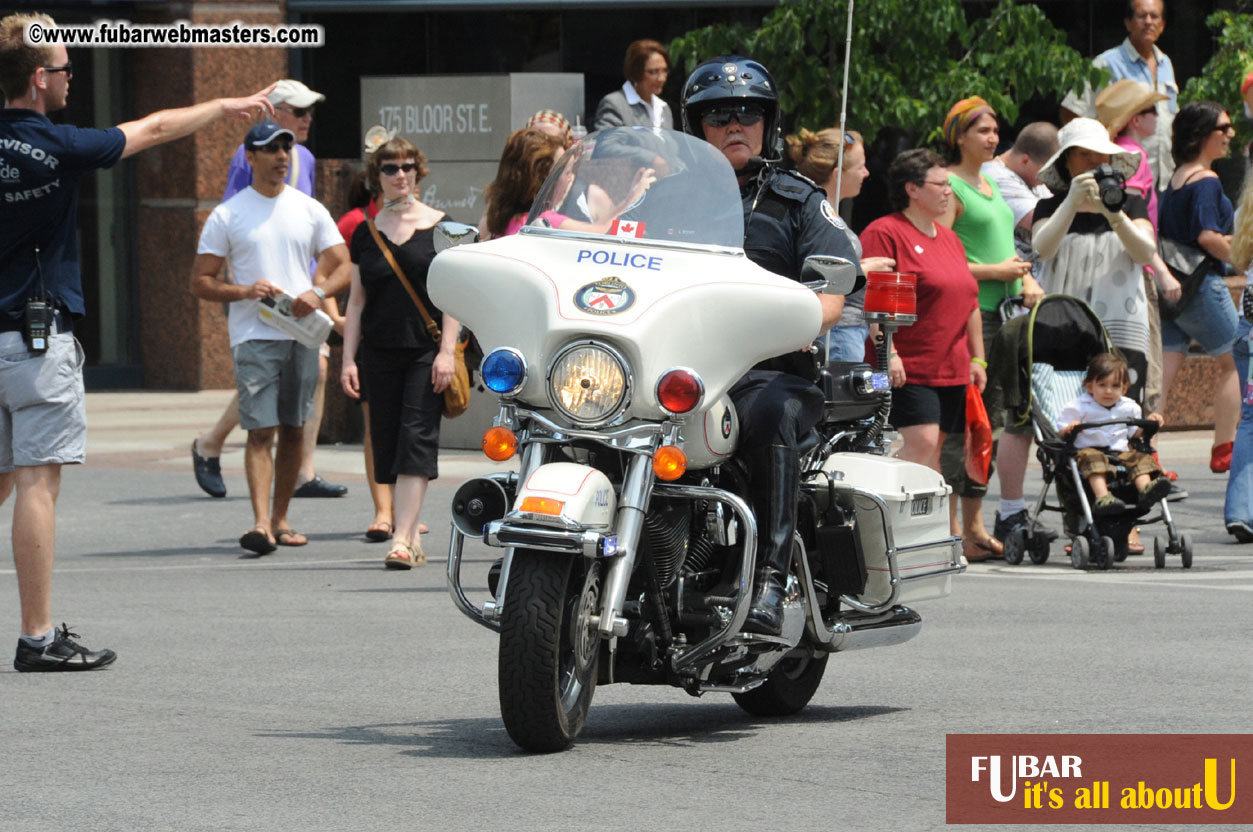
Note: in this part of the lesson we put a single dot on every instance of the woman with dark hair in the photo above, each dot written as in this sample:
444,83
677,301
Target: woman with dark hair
403,368
524,165
984,222
1087,250
646,67
942,352
1196,213
817,156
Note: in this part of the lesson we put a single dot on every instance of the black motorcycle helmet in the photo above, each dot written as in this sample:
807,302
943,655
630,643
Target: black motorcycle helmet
738,79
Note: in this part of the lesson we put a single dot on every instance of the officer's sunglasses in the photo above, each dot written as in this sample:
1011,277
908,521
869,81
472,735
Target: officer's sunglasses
746,114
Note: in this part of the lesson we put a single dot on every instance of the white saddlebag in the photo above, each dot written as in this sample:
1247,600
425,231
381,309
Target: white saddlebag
902,522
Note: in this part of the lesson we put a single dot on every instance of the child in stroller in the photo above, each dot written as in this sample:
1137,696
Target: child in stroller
1041,359
1099,445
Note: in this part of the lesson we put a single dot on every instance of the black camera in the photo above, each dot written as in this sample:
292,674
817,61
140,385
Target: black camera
1112,186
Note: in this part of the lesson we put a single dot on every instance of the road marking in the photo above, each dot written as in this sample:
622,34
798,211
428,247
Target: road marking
251,564
1183,580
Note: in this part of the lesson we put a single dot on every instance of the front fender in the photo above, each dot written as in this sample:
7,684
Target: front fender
565,495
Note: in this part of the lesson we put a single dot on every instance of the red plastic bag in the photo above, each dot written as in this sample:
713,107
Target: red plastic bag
978,437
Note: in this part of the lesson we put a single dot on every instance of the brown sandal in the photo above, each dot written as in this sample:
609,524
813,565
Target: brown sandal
404,556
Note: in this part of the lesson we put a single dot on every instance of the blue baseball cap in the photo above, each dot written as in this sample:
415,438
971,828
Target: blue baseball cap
266,132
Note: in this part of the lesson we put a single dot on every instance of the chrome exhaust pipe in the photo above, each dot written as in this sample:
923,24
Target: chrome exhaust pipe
858,632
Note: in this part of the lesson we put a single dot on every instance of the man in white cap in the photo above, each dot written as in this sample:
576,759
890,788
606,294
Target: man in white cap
293,110
269,232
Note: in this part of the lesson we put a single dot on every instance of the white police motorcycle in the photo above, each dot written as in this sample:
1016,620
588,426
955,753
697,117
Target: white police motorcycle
613,325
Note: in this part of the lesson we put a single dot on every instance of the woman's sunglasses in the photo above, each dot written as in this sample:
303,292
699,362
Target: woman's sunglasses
391,169
746,114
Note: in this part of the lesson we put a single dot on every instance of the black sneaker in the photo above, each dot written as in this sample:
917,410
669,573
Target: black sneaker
1004,526
1242,531
62,654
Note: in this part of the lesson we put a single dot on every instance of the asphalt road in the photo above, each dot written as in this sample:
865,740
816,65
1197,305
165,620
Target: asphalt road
312,689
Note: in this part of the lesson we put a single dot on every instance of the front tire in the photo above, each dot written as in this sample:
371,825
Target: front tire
788,688
548,648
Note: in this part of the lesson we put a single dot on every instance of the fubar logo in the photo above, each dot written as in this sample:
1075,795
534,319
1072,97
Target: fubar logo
1099,778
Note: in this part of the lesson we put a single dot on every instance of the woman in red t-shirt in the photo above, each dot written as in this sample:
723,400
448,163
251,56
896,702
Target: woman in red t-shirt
936,358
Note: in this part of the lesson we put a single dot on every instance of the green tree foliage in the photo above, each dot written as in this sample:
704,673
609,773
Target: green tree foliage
1224,72
911,59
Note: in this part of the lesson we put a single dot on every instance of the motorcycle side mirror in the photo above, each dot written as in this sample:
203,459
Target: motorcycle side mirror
449,234
828,274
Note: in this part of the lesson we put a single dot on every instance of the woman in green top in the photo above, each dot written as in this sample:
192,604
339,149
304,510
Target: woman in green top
985,225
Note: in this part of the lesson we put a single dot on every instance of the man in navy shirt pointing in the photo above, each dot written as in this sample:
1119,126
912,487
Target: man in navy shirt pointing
43,420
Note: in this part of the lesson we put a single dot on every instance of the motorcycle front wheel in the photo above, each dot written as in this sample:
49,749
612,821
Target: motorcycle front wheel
788,688
548,648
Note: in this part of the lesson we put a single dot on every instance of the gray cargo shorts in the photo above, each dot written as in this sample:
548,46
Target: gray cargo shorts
276,380
43,413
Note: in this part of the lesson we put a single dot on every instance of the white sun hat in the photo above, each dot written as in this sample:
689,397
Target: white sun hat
1089,134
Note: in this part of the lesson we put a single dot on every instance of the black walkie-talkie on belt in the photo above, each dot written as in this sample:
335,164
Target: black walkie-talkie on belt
38,327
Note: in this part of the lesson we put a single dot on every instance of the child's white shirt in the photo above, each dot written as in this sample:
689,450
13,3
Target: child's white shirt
1087,409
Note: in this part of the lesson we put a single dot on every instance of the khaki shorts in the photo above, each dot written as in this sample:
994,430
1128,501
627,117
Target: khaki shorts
275,380
43,414
1093,461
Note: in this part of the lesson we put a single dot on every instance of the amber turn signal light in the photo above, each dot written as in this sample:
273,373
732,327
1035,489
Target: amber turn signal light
499,444
669,463
542,505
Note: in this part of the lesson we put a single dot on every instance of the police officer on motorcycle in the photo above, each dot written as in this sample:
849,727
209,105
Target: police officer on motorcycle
732,103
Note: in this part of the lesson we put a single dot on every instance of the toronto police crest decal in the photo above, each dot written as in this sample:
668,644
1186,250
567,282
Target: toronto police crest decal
607,296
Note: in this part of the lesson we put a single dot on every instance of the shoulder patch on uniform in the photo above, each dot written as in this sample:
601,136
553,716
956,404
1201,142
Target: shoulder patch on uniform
829,213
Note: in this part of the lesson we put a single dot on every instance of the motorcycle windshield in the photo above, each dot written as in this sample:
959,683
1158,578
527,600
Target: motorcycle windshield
643,184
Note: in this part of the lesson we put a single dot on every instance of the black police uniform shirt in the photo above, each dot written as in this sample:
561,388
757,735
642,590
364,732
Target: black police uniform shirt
40,167
786,219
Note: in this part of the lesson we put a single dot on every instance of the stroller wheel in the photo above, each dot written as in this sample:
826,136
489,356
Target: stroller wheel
1038,547
1079,549
1185,545
1159,552
1015,544
1108,553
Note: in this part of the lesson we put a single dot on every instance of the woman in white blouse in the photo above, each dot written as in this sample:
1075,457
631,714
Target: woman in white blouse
646,67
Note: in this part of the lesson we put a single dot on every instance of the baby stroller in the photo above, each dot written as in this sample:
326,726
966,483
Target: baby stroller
1046,354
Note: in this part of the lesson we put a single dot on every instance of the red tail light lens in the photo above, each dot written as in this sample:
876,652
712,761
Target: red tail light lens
679,390
891,294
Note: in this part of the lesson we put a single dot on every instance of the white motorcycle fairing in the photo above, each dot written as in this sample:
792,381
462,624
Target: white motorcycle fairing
571,496
712,311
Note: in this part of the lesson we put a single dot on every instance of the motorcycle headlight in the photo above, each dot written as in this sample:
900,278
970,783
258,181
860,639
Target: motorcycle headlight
588,383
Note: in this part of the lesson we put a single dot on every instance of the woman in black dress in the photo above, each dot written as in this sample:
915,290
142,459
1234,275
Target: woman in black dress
387,348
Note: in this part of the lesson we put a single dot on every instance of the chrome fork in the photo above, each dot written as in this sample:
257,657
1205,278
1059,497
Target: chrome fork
637,489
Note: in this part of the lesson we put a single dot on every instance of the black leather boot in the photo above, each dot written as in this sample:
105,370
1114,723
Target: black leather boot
774,483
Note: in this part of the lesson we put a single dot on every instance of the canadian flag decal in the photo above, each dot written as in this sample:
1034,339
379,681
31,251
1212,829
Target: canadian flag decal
620,228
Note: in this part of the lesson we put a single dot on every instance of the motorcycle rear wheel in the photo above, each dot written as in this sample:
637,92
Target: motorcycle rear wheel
788,688
549,648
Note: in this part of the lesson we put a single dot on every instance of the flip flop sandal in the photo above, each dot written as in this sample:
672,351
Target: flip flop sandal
257,541
1134,548
400,556
284,537
379,532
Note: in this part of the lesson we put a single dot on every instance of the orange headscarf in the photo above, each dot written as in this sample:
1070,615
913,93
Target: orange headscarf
963,114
